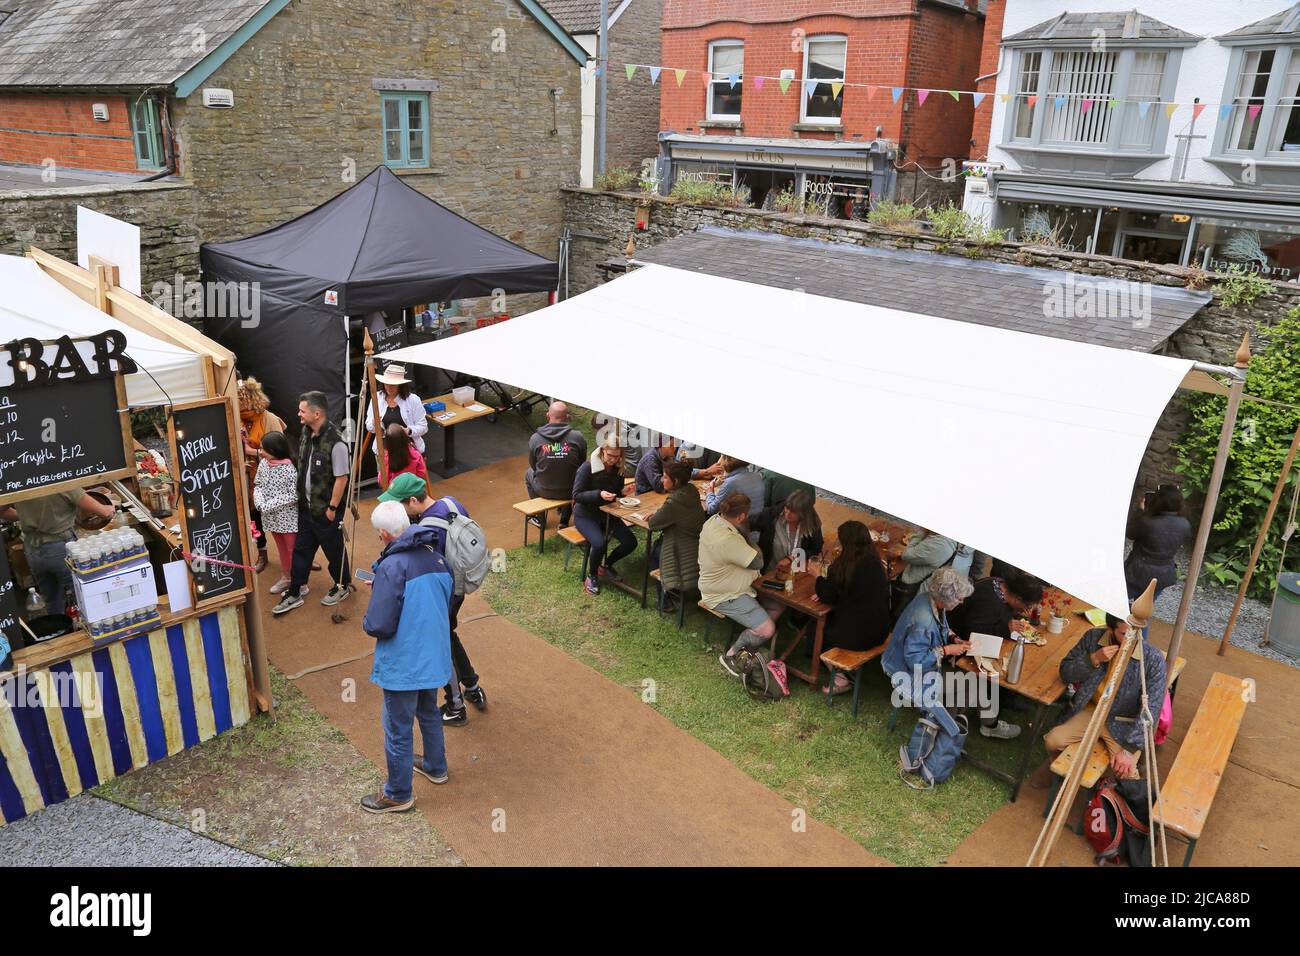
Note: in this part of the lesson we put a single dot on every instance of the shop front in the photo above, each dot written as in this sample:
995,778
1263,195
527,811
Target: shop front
835,179
1214,231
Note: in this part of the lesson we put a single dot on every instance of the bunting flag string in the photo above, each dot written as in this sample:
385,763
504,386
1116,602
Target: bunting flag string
1059,101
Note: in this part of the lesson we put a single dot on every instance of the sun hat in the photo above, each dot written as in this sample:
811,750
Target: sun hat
394,374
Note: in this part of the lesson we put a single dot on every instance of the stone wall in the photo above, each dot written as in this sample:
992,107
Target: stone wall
633,132
601,223
165,212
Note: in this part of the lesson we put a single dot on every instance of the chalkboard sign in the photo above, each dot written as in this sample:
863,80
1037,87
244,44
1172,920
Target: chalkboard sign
391,336
214,526
9,626
63,435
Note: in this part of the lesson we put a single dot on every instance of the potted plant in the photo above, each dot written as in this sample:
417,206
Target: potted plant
1058,610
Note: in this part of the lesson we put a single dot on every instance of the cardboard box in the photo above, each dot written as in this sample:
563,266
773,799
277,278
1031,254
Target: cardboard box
124,588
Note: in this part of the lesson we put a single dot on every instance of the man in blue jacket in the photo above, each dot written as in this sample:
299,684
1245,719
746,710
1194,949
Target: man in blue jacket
408,617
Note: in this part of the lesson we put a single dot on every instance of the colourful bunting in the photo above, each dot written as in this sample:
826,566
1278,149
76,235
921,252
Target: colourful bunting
1253,110
1032,100
1225,109
1197,110
872,91
955,95
896,92
597,71
631,70
733,79
708,78
809,88
1170,110
1144,107
785,85
1085,105
978,98
758,82
681,75
922,96
1112,103
836,90
1059,102
1005,97
654,74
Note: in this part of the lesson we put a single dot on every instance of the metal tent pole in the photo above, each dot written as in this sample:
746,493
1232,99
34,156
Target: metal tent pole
1211,498
602,58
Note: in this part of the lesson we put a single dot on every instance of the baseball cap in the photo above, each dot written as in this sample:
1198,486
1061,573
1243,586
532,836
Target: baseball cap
404,486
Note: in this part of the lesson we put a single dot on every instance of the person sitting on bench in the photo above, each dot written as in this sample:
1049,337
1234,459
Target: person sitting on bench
728,566
1086,665
555,453
857,587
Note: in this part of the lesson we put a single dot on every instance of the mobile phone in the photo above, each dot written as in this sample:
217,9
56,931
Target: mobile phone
773,585
363,575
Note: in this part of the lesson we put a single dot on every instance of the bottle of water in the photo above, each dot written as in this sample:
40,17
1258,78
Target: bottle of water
1017,659
35,603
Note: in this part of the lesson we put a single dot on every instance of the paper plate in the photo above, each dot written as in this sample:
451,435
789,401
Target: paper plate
629,502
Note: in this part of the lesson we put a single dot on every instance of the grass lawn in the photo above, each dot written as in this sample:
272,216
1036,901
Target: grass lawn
844,772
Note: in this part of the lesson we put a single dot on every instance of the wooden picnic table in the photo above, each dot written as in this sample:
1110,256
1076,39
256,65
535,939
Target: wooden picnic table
452,416
1040,681
639,516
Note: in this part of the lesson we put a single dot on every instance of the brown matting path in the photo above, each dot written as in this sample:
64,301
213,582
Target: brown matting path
565,767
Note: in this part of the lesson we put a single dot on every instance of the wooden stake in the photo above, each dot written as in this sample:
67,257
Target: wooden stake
1259,540
1211,500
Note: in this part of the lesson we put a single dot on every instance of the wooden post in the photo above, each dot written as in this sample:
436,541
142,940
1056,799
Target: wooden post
380,447
1259,541
1139,617
1211,499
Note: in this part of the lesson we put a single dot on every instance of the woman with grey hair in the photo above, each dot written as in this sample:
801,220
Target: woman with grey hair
922,639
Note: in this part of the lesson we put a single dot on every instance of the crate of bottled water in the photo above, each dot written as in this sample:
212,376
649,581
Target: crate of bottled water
114,582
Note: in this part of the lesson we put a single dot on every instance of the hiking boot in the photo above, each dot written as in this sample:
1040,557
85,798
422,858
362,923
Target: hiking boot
379,803
728,665
287,604
476,696
441,778
1001,730
605,571
340,592
260,566
591,585
454,717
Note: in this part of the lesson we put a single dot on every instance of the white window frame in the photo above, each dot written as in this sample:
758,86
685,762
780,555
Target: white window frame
803,85
740,84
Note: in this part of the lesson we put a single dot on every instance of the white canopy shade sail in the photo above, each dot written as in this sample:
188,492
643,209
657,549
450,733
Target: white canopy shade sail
34,305
1022,446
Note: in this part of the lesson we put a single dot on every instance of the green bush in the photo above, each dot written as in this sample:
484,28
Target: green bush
952,222
710,193
901,216
617,179
1240,286
1259,446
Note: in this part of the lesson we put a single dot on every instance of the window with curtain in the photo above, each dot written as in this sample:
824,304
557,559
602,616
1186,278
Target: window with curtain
406,130
1086,81
726,59
1026,86
824,59
1252,85
1286,135
1143,94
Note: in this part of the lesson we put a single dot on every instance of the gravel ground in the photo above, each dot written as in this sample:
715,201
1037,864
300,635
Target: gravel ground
1210,610
89,831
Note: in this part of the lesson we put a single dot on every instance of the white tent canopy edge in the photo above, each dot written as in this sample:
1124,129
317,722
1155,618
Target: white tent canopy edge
1020,445
33,305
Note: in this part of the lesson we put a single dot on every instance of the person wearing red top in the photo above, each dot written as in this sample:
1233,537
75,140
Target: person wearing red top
401,456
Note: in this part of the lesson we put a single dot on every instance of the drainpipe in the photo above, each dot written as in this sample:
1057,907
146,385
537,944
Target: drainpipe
169,142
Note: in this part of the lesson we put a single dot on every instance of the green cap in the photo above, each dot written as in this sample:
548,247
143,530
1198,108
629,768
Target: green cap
404,486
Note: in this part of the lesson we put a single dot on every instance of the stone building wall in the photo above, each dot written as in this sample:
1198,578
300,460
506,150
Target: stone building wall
165,212
307,123
601,223
633,132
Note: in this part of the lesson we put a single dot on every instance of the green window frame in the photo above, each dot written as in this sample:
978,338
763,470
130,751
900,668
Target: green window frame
405,118
146,133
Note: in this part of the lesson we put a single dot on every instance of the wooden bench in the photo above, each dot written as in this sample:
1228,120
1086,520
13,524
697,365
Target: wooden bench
663,592
1099,759
1193,781
539,508
708,626
573,538
837,659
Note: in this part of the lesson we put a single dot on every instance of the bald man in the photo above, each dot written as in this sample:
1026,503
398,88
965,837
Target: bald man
555,451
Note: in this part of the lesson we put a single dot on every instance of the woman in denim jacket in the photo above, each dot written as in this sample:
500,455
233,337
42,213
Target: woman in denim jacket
920,642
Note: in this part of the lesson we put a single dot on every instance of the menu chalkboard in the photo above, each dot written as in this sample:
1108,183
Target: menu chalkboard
9,626
63,435
213,524
391,336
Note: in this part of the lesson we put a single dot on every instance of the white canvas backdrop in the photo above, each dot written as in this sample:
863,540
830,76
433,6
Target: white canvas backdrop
1022,446
34,305
113,241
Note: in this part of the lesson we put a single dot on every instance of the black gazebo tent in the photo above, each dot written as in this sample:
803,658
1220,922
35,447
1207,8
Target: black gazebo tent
380,244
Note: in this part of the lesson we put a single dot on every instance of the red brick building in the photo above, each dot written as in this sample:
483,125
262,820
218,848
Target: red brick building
840,136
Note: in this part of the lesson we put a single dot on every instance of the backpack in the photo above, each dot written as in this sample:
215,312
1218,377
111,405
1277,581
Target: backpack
932,752
464,547
1114,828
763,679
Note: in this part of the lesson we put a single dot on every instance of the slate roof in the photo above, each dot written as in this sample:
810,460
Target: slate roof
113,43
1118,25
1283,23
578,16
968,290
